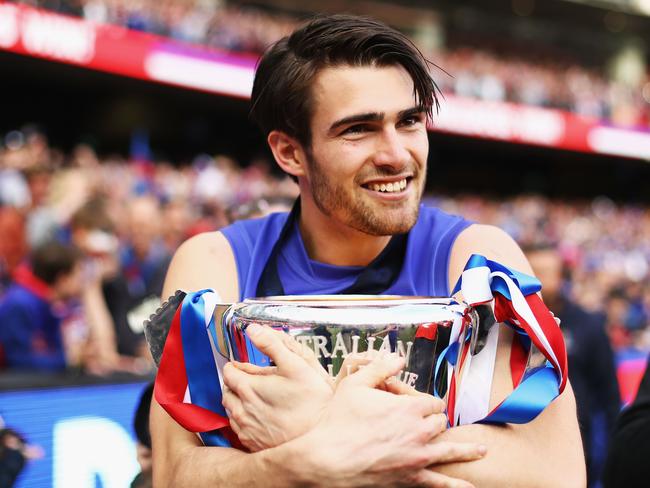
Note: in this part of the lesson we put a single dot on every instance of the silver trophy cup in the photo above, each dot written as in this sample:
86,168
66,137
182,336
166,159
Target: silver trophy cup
420,329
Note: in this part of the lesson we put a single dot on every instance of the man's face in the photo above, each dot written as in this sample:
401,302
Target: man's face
368,150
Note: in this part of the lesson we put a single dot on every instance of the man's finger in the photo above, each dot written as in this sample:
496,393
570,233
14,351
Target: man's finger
240,382
271,342
376,372
431,479
435,424
351,365
254,369
232,404
393,385
308,355
453,452
429,404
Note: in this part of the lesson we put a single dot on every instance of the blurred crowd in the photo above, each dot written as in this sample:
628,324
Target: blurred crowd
479,73
493,74
86,243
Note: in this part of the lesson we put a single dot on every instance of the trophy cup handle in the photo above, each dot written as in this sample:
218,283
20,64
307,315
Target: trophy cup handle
157,327
484,321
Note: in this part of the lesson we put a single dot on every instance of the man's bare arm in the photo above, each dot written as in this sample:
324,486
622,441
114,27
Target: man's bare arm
548,450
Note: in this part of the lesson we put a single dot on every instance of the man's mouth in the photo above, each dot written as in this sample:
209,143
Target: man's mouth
388,187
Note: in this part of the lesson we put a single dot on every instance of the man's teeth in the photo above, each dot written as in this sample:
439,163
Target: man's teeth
389,187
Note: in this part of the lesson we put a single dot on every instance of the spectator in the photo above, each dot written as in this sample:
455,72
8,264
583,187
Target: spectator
91,230
176,218
14,453
12,250
627,461
144,258
591,361
30,317
143,439
42,223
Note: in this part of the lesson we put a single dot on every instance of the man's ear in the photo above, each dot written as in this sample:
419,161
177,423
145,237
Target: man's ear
288,153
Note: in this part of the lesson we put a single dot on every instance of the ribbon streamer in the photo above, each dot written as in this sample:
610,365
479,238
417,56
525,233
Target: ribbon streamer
517,304
188,383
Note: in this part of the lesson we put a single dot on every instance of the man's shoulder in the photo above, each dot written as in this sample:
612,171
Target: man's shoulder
249,230
210,259
203,261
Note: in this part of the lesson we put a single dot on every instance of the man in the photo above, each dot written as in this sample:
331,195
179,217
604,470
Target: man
144,258
30,328
592,369
344,103
112,345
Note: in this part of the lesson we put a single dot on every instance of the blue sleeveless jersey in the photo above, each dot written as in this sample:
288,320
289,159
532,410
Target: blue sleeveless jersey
425,269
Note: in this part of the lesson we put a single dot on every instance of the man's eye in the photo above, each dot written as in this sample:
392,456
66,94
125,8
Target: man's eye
355,129
410,121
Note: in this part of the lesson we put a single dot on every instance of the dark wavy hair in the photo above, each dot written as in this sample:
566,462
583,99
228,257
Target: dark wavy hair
281,98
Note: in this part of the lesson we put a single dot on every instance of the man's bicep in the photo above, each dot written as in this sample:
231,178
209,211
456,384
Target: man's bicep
489,241
204,261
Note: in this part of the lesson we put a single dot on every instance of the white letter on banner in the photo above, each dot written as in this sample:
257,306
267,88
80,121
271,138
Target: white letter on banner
8,25
89,447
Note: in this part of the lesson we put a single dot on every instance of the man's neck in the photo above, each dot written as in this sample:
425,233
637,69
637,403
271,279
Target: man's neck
331,242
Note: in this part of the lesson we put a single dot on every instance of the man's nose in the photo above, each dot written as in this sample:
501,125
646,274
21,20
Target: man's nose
391,150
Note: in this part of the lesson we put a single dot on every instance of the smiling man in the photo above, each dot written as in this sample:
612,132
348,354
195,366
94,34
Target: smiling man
344,103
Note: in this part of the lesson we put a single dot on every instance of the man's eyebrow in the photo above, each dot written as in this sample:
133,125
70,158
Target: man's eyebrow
373,117
367,117
417,110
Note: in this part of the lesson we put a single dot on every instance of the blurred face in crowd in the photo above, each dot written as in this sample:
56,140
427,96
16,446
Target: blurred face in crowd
69,285
144,224
39,187
367,160
547,266
176,217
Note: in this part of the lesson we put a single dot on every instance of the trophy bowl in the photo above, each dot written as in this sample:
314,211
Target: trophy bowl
430,333
419,329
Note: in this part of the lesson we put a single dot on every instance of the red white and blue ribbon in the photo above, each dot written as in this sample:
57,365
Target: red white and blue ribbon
189,381
517,304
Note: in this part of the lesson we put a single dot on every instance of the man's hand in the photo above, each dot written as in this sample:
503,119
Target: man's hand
270,406
370,437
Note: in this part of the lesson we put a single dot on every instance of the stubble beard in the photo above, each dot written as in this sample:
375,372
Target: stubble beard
361,215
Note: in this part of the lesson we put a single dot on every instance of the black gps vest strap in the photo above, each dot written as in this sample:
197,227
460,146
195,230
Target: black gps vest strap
374,279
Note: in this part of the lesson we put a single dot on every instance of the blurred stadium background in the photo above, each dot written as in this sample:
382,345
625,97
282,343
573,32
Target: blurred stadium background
124,130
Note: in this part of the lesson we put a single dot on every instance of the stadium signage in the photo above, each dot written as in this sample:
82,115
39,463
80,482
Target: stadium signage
46,35
113,49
